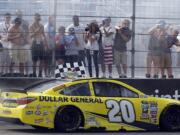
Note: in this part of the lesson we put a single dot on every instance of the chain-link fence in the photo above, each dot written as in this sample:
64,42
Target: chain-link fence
143,15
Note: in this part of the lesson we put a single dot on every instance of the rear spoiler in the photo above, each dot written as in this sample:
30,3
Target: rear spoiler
20,85
13,90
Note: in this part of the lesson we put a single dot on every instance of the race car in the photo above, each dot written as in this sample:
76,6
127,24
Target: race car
106,104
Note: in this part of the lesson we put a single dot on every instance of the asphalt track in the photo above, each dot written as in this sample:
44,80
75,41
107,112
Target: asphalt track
9,129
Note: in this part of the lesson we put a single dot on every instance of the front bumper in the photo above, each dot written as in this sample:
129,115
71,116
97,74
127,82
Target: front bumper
11,120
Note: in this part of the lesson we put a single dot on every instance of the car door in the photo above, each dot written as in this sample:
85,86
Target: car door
80,94
121,105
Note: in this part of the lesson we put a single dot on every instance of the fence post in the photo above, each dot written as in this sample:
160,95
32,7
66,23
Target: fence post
55,26
133,39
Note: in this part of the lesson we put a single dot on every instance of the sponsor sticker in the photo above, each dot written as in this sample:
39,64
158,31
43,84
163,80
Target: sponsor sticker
38,112
153,112
47,120
45,113
7,112
145,110
38,121
29,112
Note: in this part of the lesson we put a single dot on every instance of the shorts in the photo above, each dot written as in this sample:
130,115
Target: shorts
37,51
71,59
27,49
120,57
108,55
18,54
60,54
48,56
165,60
5,56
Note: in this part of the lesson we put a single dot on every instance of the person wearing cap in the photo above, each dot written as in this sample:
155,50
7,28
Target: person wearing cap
79,31
5,57
15,36
122,36
72,44
39,44
107,46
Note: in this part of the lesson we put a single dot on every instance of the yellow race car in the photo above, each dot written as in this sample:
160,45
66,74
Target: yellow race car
106,104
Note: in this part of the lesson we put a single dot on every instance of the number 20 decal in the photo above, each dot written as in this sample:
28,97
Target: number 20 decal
120,111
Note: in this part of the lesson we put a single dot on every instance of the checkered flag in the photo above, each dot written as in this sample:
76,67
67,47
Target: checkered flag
70,70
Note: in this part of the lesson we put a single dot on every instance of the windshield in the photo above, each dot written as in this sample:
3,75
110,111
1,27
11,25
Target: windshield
46,85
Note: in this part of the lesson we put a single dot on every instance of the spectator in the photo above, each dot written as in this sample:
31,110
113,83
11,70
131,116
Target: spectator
107,44
79,31
39,44
166,60
153,56
26,40
60,46
122,36
71,46
15,36
92,47
50,36
1,58
5,56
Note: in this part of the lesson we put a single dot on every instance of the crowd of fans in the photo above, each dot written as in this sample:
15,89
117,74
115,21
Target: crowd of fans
35,45
161,40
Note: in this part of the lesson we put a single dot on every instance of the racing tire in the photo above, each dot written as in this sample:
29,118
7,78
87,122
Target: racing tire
68,119
170,119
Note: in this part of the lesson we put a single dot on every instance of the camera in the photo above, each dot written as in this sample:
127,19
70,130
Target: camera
87,28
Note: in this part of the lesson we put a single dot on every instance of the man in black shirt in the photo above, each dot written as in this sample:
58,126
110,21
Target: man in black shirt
122,36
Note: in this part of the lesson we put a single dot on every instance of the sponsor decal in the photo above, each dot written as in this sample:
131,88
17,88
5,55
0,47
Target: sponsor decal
48,121
153,112
175,95
39,107
52,99
72,99
45,113
7,112
29,112
91,121
86,100
9,104
29,107
38,112
120,111
149,111
46,107
145,109
38,121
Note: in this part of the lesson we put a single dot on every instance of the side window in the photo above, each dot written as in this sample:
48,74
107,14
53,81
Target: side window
81,89
107,89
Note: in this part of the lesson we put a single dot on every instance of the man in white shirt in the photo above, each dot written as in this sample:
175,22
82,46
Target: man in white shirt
5,57
79,31
50,32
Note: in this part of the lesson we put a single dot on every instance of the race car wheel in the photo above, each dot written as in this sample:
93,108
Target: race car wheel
68,119
170,120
